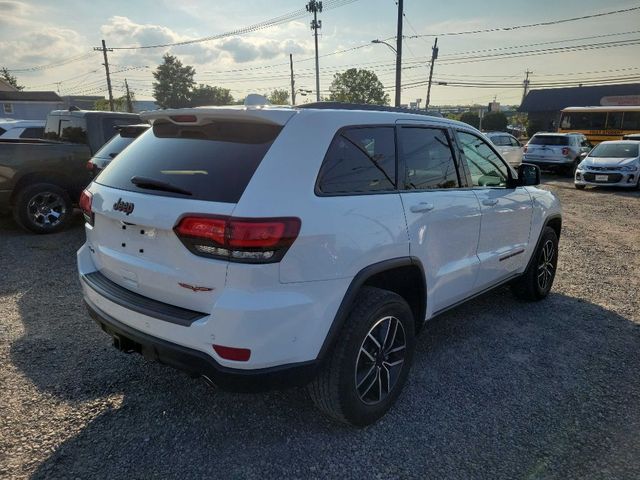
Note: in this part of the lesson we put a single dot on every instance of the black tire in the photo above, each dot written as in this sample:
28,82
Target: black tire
536,282
335,390
579,187
572,169
42,208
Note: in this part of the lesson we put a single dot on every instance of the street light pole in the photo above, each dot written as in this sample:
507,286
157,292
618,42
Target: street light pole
399,53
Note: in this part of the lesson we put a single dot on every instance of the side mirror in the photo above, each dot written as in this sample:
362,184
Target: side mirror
528,175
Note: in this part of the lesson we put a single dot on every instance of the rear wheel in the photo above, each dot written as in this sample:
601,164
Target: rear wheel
537,280
42,208
369,365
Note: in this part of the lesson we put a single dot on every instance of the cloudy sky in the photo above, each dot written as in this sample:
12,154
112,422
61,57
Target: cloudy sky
61,35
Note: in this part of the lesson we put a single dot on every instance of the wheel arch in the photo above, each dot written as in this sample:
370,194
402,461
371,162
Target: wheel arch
33,178
404,276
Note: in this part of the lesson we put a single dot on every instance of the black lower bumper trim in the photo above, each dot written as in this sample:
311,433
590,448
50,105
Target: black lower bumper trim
197,363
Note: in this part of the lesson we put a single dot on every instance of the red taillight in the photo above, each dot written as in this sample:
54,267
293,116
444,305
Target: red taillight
184,118
232,353
248,240
565,151
85,205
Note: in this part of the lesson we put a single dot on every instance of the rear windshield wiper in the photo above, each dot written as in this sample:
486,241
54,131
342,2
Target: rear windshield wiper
153,184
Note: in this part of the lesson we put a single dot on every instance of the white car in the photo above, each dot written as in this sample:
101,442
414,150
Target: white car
613,164
509,147
262,246
16,129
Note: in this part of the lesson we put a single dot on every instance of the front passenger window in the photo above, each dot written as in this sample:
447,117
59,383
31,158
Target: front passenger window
487,169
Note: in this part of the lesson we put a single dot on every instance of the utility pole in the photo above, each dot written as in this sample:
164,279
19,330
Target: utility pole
526,85
129,102
434,56
293,82
399,53
314,7
106,67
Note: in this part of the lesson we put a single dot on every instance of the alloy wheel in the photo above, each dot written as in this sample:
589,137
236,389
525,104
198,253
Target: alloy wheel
46,209
546,266
380,360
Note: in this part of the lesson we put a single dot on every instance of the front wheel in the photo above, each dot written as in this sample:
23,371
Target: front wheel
42,208
536,282
578,186
371,360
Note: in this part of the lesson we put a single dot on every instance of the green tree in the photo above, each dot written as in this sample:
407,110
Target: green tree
172,88
207,95
279,96
471,118
495,122
119,103
10,79
358,86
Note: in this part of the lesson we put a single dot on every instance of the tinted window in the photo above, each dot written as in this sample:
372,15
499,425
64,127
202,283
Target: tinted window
360,160
614,120
2,130
487,170
549,140
500,140
514,142
214,161
72,129
32,132
631,121
583,120
109,125
428,161
114,146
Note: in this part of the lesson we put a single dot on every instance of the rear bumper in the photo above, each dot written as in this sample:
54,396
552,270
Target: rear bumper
550,163
199,364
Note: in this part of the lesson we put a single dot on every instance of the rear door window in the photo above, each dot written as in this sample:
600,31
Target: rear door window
427,159
211,162
359,160
554,140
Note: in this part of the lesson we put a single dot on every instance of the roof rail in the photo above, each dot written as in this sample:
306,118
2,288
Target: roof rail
363,106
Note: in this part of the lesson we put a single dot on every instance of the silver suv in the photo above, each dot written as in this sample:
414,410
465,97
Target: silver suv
557,151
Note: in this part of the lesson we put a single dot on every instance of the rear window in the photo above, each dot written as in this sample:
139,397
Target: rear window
213,162
548,140
114,146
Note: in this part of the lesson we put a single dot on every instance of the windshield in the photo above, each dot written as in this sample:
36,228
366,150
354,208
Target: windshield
549,140
615,150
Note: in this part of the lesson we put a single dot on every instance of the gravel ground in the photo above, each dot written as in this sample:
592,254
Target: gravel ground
499,389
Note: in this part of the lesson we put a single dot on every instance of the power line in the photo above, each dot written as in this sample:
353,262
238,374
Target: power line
52,65
529,25
285,18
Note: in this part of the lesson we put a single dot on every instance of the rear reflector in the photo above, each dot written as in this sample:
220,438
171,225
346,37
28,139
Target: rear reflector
231,353
247,240
85,205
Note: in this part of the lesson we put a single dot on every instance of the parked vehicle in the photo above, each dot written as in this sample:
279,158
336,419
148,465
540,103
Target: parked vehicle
125,135
601,123
13,129
632,136
262,247
40,180
509,147
614,164
557,151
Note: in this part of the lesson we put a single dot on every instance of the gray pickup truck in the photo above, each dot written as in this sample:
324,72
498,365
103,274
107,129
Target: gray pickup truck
41,180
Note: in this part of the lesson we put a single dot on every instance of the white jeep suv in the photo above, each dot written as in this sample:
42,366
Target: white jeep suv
263,247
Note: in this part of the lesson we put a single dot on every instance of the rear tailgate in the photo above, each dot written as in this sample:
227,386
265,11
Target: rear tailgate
200,168
142,253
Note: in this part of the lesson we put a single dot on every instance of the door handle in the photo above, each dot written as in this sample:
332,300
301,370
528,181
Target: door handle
421,207
490,202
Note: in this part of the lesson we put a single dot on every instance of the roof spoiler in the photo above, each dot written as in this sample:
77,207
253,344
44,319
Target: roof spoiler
203,115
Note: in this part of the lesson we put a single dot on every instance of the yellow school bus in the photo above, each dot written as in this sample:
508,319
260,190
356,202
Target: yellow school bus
601,123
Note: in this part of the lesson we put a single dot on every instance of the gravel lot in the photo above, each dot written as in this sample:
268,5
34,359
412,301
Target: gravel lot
499,389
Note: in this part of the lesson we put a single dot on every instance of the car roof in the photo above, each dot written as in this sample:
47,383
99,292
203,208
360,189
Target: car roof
554,134
497,133
622,142
280,115
13,123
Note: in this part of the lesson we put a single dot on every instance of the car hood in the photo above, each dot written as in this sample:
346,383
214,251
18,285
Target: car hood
609,161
